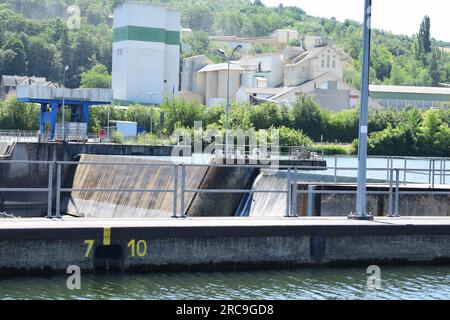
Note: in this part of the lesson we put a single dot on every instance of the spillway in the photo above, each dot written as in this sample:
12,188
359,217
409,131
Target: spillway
127,204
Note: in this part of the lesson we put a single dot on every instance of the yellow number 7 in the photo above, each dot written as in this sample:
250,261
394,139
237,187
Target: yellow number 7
90,244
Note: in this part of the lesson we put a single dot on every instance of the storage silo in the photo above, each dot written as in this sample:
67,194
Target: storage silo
146,53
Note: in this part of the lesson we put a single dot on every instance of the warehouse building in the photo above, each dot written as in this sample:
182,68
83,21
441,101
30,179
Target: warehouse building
404,96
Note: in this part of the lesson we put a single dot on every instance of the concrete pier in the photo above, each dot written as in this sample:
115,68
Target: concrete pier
39,245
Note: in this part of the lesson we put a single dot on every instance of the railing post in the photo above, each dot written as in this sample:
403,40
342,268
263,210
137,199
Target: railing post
388,167
445,170
429,172
294,206
397,192
310,201
183,190
58,191
288,193
50,190
404,172
433,175
175,191
391,197
335,167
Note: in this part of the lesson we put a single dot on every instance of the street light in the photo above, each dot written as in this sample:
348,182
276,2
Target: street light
361,198
63,103
227,112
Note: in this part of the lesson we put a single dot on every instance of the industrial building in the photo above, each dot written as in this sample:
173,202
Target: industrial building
316,68
404,96
146,53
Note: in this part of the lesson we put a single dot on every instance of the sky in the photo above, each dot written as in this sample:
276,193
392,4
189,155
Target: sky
398,16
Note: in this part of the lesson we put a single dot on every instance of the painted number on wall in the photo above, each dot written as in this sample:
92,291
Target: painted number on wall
138,247
90,244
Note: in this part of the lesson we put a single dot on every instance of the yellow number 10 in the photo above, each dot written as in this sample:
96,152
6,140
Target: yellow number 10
139,248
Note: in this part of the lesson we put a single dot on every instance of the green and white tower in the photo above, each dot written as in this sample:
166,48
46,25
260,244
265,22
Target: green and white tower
146,53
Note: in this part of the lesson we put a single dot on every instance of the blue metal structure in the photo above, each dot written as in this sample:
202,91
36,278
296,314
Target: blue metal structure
49,111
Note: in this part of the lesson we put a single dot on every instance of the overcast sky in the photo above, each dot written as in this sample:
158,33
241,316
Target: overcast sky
398,16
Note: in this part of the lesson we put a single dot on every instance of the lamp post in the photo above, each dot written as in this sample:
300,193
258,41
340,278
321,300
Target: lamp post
63,104
227,111
361,198
151,94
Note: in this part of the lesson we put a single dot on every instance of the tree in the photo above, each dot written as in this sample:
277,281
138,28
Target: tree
198,16
97,77
425,34
17,63
435,68
307,116
44,62
422,45
199,41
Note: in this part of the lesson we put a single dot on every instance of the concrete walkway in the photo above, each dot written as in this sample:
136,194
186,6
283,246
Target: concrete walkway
70,222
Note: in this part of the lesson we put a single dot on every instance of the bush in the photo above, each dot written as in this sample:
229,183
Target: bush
332,149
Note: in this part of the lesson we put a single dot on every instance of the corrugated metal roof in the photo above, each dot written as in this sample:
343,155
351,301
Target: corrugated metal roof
410,89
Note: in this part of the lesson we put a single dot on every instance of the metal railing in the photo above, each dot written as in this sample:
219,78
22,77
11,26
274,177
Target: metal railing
435,164
270,151
179,190
18,136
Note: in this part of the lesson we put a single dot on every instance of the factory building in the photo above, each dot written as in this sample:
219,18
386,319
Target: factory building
403,96
146,53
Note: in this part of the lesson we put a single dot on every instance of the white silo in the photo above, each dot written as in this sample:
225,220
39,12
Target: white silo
146,53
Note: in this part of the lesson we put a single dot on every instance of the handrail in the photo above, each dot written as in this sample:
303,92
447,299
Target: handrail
179,190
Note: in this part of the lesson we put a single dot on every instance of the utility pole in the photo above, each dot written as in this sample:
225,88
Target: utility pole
63,104
361,198
227,111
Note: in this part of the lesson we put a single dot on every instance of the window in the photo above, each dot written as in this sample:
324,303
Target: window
323,63
334,64
147,52
328,62
119,52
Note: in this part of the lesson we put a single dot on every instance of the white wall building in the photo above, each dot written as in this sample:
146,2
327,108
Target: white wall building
212,82
312,63
146,53
269,66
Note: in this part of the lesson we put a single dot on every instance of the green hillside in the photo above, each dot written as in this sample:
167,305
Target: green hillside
34,39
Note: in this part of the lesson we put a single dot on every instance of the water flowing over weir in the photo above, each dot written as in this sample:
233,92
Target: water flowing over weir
127,204
107,204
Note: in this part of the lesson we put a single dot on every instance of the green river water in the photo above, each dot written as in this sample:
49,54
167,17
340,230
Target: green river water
420,282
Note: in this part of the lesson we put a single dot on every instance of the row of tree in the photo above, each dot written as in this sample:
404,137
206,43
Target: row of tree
43,48
393,132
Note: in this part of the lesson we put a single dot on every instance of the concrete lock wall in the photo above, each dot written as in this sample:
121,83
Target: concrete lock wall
219,252
409,205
